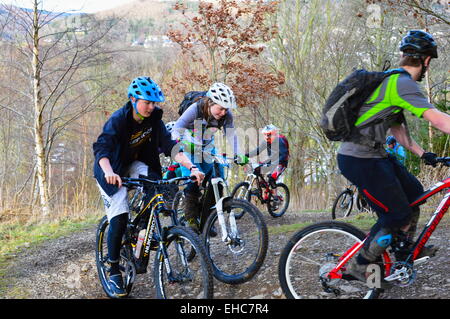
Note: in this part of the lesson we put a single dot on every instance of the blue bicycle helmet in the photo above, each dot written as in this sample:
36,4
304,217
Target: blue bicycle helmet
144,88
390,140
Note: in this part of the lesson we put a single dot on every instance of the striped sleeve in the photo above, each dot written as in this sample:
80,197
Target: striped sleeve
408,95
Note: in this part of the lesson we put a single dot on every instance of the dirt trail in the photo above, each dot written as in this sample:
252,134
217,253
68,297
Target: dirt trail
65,268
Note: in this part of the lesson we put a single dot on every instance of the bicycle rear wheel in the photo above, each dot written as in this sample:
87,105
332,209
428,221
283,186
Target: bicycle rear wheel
189,279
342,205
178,207
241,191
279,200
178,203
239,260
311,254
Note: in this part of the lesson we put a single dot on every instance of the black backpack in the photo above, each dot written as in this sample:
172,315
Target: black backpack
189,99
343,104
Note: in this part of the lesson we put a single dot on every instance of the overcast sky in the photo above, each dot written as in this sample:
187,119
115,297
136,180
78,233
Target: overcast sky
87,6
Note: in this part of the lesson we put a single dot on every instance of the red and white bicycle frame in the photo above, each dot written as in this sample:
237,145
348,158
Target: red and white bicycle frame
422,239
437,216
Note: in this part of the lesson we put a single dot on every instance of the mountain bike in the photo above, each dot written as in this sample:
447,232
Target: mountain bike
344,202
174,276
237,247
255,188
313,262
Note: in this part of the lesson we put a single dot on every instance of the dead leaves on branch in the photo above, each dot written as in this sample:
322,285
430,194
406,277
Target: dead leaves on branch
227,40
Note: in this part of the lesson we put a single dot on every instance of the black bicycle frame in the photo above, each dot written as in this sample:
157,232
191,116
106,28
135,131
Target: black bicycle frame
154,227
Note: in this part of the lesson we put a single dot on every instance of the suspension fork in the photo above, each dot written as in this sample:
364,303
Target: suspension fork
156,228
250,180
226,237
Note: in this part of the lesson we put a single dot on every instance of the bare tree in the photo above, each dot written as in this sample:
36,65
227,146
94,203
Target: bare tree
62,61
436,10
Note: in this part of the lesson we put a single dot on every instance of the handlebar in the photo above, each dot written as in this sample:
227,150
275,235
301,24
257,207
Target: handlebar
443,160
137,182
220,158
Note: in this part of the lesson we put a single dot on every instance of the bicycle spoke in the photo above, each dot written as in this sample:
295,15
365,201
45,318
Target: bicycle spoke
239,259
180,278
306,262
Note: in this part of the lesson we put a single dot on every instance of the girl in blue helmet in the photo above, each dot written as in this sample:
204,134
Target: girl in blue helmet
129,145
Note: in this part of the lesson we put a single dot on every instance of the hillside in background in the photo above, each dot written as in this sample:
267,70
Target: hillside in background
157,15
141,19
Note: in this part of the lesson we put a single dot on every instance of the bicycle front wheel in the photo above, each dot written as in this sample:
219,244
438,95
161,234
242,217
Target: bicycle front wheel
126,263
239,259
311,254
175,276
342,205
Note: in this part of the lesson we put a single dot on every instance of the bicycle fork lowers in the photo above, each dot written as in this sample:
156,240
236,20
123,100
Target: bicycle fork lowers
227,237
155,231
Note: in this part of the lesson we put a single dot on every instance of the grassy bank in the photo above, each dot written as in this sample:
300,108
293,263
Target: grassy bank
362,221
16,237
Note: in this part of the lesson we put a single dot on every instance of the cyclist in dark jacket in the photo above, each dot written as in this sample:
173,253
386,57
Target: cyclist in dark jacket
277,147
129,146
387,185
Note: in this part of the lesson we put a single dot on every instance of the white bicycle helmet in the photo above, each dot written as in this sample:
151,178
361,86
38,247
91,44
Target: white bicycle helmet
269,129
169,126
221,94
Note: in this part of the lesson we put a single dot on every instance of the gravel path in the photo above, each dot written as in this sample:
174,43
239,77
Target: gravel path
65,268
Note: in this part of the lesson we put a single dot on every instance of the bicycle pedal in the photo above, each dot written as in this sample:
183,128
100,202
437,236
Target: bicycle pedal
394,276
421,260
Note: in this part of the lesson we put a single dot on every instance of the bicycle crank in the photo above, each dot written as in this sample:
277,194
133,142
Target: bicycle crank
402,274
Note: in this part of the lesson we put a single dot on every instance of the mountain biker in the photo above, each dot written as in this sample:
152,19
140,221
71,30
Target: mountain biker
387,185
395,149
277,147
129,145
197,135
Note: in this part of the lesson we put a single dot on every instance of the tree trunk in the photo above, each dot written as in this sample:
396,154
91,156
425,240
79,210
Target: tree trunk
430,128
38,119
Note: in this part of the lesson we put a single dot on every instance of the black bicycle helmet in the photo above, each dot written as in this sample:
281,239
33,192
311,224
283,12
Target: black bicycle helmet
418,44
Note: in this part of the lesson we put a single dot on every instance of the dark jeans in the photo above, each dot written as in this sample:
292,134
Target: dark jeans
387,186
192,193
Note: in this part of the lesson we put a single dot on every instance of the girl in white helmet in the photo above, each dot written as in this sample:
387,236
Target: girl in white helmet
196,128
